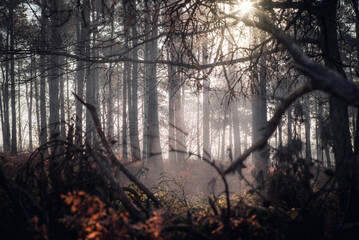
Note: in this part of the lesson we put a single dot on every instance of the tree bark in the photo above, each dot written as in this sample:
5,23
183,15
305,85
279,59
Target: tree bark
344,156
133,112
308,152
62,118
171,113
55,72
82,35
206,113
43,44
6,128
12,81
259,121
30,103
154,152
91,75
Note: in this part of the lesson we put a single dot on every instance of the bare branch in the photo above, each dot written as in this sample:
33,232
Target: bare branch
322,78
112,156
271,126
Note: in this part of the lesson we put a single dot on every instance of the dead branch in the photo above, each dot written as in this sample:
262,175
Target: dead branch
123,197
112,156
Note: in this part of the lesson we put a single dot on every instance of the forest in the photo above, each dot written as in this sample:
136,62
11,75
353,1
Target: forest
179,119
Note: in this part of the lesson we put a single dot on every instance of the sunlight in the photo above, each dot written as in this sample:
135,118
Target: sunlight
246,6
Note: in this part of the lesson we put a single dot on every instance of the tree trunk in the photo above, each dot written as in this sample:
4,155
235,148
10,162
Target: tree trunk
133,112
259,121
91,74
30,103
198,130
110,95
289,130
43,112
19,108
6,128
206,114
179,126
236,130
124,111
125,83
319,126
224,126
344,156
356,137
308,152
154,152
82,35
171,113
55,72
280,140
62,103
12,80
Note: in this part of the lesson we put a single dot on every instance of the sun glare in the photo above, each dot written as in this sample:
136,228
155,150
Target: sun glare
246,6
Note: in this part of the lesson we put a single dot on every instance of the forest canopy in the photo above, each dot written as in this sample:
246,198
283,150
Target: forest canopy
179,119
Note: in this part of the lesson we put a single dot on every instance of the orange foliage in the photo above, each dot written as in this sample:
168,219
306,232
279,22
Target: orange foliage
94,220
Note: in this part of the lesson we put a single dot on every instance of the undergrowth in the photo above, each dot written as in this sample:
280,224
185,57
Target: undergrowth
83,203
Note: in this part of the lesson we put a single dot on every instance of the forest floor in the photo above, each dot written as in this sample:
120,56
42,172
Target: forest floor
193,205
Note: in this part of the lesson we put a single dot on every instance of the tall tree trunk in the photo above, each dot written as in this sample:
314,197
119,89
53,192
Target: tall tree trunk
280,140
55,72
62,103
110,95
230,147
319,127
2,111
356,137
133,112
33,81
179,126
124,111
110,105
43,60
6,129
344,156
198,129
91,75
308,152
82,35
206,114
236,130
55,77
154,152
224,126
289,130
171,114
19,108
118,90
259,121
125,83
12,80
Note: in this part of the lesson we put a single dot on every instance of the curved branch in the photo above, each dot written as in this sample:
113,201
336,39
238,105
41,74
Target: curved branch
271,126
112,156
322,78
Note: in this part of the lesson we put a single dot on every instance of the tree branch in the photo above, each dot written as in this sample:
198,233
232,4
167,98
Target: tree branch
322,78
112,156
271,126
